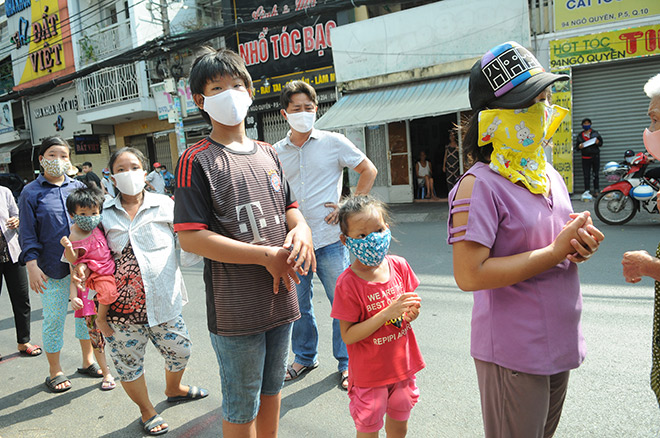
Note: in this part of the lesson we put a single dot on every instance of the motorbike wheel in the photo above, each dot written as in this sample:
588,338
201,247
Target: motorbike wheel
615,208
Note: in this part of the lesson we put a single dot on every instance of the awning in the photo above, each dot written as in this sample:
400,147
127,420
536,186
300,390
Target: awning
403,102
8,147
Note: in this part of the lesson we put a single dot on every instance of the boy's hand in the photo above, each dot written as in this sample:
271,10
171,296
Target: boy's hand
277,263
65,242
76,303
79,275
402,305
302,256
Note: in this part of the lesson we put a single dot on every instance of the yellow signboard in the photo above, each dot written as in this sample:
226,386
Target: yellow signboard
570,14
562,151
605,46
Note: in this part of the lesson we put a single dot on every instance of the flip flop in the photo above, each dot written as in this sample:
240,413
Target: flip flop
154,421
91,371
109,384
31,351
194,393
344,379
293,374
52,383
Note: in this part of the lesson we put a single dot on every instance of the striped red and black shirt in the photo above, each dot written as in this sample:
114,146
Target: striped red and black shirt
243,196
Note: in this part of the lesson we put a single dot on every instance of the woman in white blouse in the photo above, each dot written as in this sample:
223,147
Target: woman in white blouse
138,227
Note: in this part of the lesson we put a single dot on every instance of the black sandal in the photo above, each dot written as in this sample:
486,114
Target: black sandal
91,371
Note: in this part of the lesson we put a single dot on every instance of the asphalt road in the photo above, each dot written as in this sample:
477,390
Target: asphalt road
608,396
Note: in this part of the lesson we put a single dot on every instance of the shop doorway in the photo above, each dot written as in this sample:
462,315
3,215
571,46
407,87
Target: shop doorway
431,135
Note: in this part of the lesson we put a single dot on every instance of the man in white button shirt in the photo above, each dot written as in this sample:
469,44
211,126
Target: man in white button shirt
313,163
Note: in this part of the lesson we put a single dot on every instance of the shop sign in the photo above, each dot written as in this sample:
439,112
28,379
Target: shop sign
605,46
5,157
165,101
562,151
300,45
570,14
318,78
87,144
41,39
274,103
6,118
56,114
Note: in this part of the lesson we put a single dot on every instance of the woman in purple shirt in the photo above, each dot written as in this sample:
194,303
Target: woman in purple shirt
43,221
515,244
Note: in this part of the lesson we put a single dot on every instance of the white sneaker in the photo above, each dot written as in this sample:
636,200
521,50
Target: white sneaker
586,196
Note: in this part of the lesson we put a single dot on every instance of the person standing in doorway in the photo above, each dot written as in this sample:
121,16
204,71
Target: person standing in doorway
155,180
589,143
450,165
313,163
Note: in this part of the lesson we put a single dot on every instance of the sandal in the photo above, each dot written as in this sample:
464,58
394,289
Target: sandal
194,393
91,371
108,384
52,383
344,381
293,374
32,350
153,422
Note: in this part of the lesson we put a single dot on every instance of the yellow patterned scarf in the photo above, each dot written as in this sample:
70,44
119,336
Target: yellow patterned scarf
518,137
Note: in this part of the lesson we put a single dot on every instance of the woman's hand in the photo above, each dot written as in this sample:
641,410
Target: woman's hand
588,243
12,223
278,265
76,303
299,242
36,277
79,275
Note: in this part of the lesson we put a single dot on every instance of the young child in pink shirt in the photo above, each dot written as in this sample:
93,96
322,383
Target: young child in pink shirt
375,304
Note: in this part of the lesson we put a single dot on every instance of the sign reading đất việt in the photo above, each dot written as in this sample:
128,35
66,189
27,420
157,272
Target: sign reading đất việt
606,46
570,14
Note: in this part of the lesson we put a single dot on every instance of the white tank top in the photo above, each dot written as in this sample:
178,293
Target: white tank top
423,170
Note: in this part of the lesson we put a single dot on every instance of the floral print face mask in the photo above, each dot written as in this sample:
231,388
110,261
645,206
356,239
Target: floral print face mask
87,223
55,168
371,250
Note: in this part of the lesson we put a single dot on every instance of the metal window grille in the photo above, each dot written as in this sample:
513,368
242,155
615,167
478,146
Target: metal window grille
275,126
109,85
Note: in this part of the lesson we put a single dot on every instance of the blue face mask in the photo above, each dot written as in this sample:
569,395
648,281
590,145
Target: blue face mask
372,249
586,127
87,223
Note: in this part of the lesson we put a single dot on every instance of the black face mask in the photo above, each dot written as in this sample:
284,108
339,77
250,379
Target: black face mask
586,127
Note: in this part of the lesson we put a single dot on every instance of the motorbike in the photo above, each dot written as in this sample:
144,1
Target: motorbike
630,191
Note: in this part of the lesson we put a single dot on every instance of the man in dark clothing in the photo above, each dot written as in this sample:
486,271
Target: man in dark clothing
89,177
589,143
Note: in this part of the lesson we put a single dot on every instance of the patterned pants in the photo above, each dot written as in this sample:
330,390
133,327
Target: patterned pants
655,342
55,302
129,342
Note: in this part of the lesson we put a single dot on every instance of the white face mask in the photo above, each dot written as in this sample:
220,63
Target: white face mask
302,121
130,183
229,107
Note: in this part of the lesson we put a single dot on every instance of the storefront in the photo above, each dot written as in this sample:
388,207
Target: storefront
608,72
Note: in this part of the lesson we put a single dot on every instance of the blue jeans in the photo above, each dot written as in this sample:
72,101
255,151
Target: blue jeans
331,261
250,366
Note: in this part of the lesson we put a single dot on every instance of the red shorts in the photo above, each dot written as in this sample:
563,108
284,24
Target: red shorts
105,287
369,405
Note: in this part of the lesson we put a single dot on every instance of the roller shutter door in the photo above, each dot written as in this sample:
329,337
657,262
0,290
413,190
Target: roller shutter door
612,95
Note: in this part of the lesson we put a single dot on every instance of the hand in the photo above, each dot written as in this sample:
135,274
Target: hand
402,305
12,223
277,264
590,238
633,265
299,242
76,303
104,327
333,217
65,242
79,275
562,246
411,314
581,145
36,277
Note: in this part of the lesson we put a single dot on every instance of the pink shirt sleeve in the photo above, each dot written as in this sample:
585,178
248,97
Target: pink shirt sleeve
346,305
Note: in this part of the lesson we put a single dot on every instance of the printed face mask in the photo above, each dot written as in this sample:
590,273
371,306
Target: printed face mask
518,137
55,168
229,107
130,183
652,142
372,249
87,223
302,121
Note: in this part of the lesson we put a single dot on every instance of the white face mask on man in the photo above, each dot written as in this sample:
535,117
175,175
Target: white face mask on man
302,121
130,183
229,107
